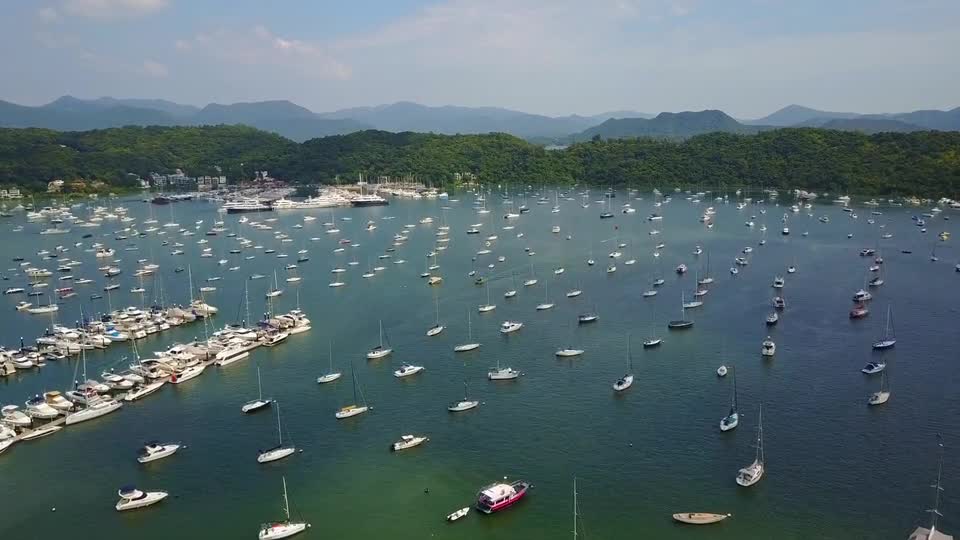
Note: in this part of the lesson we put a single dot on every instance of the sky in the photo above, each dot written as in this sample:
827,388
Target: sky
554,57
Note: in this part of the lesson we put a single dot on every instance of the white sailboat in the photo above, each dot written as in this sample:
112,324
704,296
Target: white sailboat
464,404
380,350
282,529
751,474
276,290
95,405
547,304
260,402
888,340
279,451
626,381
469,345
437,327
354,409
732,419
880,397
488,307
331,375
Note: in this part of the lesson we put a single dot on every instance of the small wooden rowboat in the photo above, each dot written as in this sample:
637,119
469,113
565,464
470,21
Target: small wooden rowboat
700,518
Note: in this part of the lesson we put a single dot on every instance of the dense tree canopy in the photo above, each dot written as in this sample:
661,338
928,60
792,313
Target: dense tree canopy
920,163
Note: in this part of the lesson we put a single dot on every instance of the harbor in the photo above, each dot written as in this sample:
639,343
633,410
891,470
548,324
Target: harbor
641,453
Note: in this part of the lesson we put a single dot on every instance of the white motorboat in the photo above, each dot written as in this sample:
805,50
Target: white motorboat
56,400
751,474
131,498
510,326
407,370
143,390
260,402
502,374
13,416
37,407
768,347
408,441
722,371
188,373
152,451
568,352
454,516
42,431
279,451
282,529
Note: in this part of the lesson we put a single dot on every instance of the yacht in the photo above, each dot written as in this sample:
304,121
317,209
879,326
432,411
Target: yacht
407,370
502,374
862,296
37,407
874,367
773,318
56,400
188,373
95,408
778,282
380,350
369,199
408,441
246,205
768,347
500,496
143,391
13,416
152,451
132,498
510,326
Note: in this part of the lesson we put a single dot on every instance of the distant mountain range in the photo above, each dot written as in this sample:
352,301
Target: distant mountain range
299,124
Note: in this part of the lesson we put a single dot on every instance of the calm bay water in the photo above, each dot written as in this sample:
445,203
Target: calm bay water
835,468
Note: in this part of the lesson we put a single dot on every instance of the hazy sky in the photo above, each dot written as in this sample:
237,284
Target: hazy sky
747,57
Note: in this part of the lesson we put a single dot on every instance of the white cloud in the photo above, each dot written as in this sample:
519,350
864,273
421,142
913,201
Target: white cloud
152,68
261,47
112,9
48,14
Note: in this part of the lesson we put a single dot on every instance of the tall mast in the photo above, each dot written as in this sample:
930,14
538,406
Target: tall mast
574,507
760,436
286,502
190,274
935,511
279,431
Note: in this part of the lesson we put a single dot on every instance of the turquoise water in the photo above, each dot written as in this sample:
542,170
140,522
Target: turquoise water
835,468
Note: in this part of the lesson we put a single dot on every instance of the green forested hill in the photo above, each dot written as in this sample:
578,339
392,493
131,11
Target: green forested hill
921,163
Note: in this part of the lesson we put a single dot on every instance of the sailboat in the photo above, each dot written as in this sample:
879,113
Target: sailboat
469,345
575,509
888,340
546,298
259,403
380,350
354,409
751,474
732,419
465,404
681,323
484,308
437,327
932,534
880,397
626,381
282,529
279,451
652,340
512,292
276,290
331,375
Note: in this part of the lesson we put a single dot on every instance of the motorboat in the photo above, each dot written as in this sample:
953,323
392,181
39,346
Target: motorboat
56,400
143,390
722,371
37,407
502,374
152,451
773,318
768,347
188,373
586,318
42,431
779,302
408,441
510,326
873,367
131,498
13,416
95,408
407,370
501,495
778,282
454,516
568,352
862,296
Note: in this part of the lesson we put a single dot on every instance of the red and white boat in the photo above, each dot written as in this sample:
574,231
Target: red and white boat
501,495
859,311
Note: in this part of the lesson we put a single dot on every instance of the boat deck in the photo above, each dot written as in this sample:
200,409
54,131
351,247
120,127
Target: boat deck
924,534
